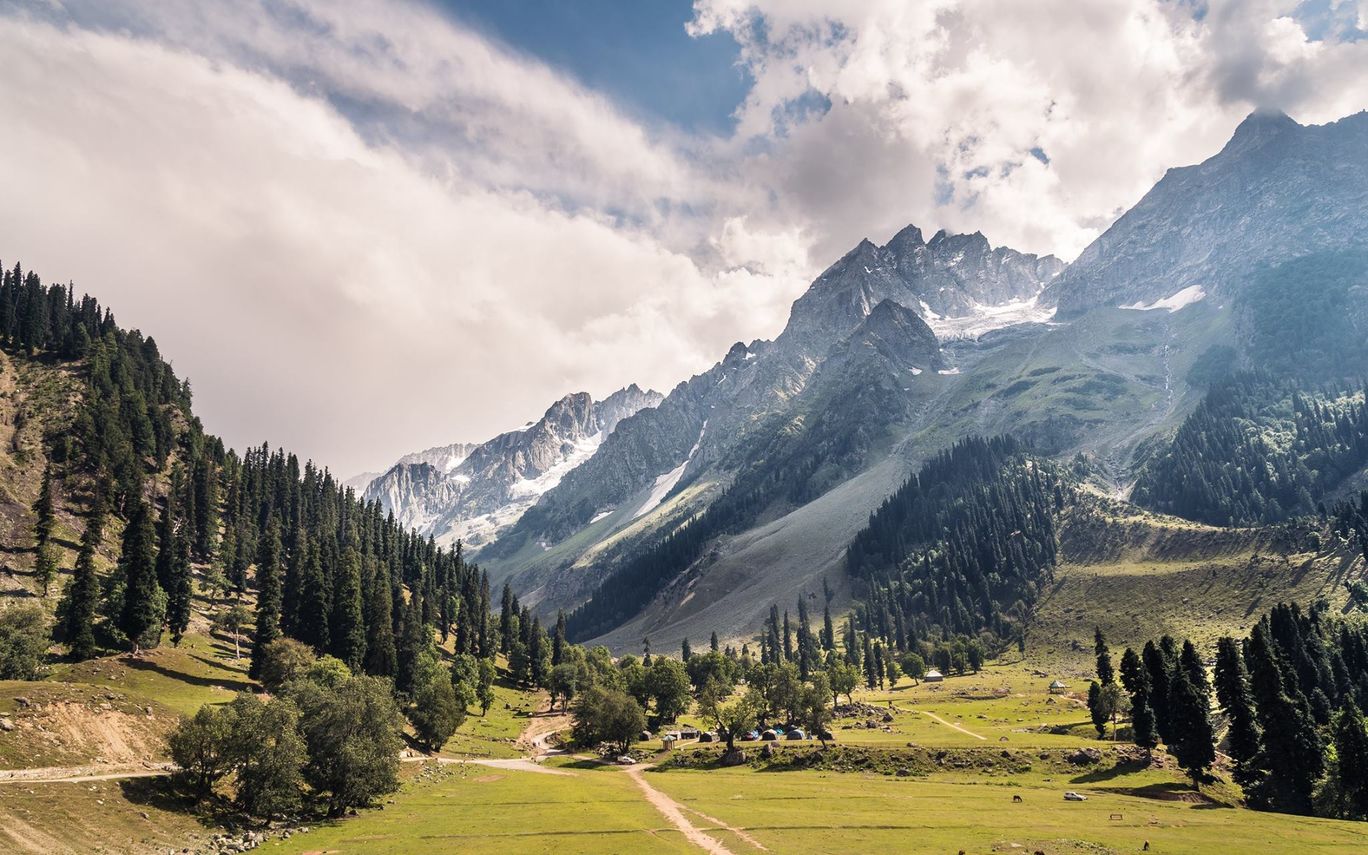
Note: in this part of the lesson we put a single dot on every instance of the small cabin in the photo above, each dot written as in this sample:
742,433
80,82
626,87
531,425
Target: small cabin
688,733
933,676
668,740
1058,687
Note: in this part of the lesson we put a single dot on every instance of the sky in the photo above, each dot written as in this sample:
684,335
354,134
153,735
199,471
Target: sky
366,227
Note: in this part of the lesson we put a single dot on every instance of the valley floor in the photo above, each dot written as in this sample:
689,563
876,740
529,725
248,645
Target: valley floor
925,768
940,777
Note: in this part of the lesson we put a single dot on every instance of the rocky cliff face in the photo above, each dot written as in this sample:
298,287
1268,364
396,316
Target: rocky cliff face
473,492
950,277
1278,190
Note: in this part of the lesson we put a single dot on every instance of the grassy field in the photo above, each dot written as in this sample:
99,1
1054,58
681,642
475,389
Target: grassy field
494,734
95,817
478,809
829,812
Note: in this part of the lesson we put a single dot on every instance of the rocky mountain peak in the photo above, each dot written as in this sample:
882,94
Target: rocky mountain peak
1258,128
1266,197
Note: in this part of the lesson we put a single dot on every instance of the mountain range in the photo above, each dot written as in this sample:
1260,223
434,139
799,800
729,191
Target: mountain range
777,455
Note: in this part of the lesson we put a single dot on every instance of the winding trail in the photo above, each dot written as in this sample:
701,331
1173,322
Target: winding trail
674,812
954,726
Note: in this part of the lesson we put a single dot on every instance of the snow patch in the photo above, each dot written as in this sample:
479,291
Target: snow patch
982,319
948,371
533,487
1184,298
665,483
601,515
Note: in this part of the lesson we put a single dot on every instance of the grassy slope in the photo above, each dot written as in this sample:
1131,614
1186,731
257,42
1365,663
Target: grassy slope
1138,576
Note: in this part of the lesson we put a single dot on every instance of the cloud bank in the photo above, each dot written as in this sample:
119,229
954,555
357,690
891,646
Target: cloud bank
361,229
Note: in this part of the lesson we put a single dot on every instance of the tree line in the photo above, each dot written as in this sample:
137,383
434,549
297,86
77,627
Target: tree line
1290,694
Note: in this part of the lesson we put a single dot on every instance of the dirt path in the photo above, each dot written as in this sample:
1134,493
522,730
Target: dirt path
75,774
953,726
674,812
539,731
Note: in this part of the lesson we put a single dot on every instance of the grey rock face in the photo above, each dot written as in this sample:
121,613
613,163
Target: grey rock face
1278,190
951,276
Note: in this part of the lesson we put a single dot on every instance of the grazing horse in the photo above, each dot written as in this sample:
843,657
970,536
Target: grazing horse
1017,799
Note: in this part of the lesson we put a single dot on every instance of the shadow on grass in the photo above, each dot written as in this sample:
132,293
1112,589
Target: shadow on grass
163,794
230,685
1172,791
217,663
1128,767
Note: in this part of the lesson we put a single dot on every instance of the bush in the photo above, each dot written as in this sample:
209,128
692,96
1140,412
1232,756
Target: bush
284,660
23,641
436,711
269,755
202,748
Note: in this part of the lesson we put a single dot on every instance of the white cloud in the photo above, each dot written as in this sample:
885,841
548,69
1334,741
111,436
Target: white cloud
320,291
361,228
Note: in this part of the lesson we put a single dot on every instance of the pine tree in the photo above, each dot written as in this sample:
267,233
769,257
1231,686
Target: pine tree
412,642
685,651
315,604
178,598
1160,679
1232,693
45,566
1105,675
506,620
1351,762
558,641
828,629
1292,758
347,629
43,510
1193,742
78,607
268,581
144,602
1095,712
713,643
382,656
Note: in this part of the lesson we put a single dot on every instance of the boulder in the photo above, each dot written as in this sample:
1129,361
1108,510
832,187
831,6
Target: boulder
735,757
1085,757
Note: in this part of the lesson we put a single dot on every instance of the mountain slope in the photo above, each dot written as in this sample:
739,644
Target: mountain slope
1176,293
1276,191
472,492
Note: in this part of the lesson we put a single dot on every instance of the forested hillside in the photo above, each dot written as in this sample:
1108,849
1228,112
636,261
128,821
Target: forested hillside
324,567
963,547
1258,450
